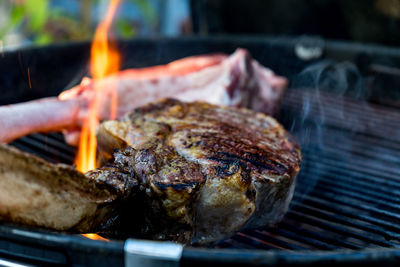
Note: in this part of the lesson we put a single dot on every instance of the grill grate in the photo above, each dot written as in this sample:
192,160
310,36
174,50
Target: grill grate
348,191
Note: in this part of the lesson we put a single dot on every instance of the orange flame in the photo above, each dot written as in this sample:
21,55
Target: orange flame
95,237
104,60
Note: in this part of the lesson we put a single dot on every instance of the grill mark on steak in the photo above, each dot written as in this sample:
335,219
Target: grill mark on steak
273,166
244,143
239,145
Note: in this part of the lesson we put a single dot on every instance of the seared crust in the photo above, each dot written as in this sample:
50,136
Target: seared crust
225,135
208,169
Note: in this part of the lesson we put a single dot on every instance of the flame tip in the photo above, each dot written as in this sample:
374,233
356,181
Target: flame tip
95,237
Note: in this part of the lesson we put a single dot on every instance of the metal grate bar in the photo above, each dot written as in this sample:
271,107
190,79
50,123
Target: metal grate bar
330,170
360,206
353,121
335,101
361,187
257,242
323,189
46,147
355,165
279,240
344,113
359,144
56,141
367,152
344,220
344,231
326,205
294,236
316,235
30,145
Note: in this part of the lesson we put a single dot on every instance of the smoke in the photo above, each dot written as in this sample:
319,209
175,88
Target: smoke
321,91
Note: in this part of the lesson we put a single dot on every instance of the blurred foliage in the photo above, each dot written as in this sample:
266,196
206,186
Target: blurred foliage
42,23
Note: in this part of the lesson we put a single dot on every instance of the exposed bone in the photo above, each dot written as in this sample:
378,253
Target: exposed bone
42,115
236,80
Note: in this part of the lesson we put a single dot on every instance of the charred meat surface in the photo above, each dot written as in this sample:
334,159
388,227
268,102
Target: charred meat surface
203,171
56,196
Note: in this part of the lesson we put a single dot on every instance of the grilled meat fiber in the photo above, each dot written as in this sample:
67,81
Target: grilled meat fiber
204,171
189,172
56,196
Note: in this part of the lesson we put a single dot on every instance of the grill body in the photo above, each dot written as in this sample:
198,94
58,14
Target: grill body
346,207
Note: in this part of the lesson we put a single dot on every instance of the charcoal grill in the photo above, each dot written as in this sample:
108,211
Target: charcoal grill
346,208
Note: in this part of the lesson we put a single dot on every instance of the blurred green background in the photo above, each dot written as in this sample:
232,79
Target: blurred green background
40,22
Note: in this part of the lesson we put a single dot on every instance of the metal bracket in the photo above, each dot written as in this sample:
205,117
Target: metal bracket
152,253
308,47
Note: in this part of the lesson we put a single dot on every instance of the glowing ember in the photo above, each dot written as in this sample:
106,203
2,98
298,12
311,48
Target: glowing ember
104,60
95,237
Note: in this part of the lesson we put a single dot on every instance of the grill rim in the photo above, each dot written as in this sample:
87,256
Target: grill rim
68,244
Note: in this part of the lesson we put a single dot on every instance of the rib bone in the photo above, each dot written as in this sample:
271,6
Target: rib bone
235,80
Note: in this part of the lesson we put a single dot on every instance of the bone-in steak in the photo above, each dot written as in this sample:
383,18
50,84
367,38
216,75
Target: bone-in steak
203,171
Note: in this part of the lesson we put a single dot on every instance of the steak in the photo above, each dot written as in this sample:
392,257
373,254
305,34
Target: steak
56,196
203,171
188,172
